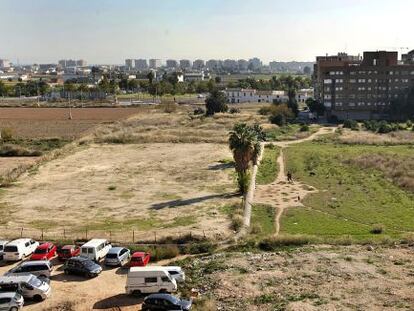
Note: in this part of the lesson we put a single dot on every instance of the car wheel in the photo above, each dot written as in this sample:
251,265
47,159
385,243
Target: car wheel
136,293
37,298
13,309
91,275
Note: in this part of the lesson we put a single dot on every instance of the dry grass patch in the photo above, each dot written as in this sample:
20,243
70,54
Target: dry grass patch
369,138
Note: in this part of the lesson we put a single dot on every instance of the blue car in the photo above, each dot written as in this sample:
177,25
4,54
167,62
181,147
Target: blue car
117,256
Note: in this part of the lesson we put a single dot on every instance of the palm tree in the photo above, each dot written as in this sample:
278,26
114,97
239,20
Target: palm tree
244,142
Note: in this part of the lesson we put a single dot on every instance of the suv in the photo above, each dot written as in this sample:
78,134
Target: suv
39,268
82,266
161,302
11,301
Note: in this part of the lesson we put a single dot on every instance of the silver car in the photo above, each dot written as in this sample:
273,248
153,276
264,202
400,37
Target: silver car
11,301
39,268
117,256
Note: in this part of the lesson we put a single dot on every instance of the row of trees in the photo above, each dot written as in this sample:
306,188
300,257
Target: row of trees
30,88
283,82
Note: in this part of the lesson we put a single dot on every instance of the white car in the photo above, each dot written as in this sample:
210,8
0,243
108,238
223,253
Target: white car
18,249
11,301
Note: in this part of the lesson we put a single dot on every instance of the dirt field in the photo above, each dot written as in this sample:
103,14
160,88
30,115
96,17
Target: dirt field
308,278
140,187
9,163
54,122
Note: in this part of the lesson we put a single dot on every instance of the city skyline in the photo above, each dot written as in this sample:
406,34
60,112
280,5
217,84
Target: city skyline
108,32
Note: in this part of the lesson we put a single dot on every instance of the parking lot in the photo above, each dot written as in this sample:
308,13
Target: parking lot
70,292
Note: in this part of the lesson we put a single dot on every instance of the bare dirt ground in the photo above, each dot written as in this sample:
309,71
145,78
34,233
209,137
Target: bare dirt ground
282,194
309,278
141,187
9,163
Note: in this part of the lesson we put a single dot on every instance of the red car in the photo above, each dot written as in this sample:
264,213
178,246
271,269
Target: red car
68,251
45,251
139,259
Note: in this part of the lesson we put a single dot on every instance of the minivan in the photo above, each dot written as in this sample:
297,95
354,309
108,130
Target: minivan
18,249
39,268
28,285
11,301
95,249
176,273
2,245
148,280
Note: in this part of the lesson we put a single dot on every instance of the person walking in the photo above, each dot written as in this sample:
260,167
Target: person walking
289,177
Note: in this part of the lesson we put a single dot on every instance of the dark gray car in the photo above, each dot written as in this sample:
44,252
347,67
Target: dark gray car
165,302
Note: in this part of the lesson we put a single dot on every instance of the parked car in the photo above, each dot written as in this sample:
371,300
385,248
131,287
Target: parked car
139,259
161,302
176,273
2,245
117,256
18,249
11,301
44,251
149,280
68,251
96,249
39,268
82,266
28,285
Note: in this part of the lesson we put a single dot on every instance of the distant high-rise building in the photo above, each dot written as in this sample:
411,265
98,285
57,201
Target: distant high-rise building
243,64
212,64
62,63
81,63
155,63
198,64
185,64
230,64
408,58
255,64
129,63
141,64
171,63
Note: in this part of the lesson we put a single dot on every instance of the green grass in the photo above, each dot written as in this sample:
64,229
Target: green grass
263,219
268,168
289,132
351,200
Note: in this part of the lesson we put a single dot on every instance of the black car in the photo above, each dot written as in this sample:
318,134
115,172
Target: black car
164,302
82,266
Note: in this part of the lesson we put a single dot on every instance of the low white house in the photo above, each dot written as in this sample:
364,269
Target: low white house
303,94
254,96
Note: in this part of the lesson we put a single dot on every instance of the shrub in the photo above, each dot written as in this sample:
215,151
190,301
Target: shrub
384,127
304,128
377,229
168,107
264,111
256,229
237,222
280,114
112,188
409,124
164,252
17,151
199,111
272,243
351,124
216,102
200,248
6,134
243,182
234,110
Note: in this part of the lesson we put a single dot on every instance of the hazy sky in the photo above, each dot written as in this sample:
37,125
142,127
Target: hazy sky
108,31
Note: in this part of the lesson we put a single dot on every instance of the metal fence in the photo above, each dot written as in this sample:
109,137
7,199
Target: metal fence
117,236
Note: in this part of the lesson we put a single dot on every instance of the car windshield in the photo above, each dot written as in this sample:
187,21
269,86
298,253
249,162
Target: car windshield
111,256
10,248
40,251
136,259
174,300
88,263
65,251
35,282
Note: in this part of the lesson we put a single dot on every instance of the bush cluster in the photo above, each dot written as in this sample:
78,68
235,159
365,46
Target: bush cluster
382,127
351,124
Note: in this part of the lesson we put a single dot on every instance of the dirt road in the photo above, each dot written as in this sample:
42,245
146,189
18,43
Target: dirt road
281,194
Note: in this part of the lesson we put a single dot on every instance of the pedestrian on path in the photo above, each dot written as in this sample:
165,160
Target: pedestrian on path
289,177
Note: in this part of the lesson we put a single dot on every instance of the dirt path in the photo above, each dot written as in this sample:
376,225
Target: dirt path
281,194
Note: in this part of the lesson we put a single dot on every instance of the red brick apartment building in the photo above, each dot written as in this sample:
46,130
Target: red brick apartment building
358,88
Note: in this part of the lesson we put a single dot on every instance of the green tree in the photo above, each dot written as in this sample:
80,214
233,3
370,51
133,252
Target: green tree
150,76
244,142
315,106
216,102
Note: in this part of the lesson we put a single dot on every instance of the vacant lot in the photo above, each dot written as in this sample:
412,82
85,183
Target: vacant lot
308,278
354,196
54,122
125,187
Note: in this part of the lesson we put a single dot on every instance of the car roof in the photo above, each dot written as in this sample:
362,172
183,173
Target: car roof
115,250
7,294
94,242
15,278
3,242
68,246
18,241
138,254
35,262
45,245
162,296
79,258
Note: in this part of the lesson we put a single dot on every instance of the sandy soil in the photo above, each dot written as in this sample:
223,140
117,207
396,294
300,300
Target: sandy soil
9,163
111,186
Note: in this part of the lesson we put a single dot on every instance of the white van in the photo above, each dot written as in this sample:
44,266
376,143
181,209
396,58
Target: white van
28,285
18,249
96,249
176,273
148,280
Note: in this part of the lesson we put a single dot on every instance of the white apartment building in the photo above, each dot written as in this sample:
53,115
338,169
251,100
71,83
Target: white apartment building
254,96
155,63
303,94
4,63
